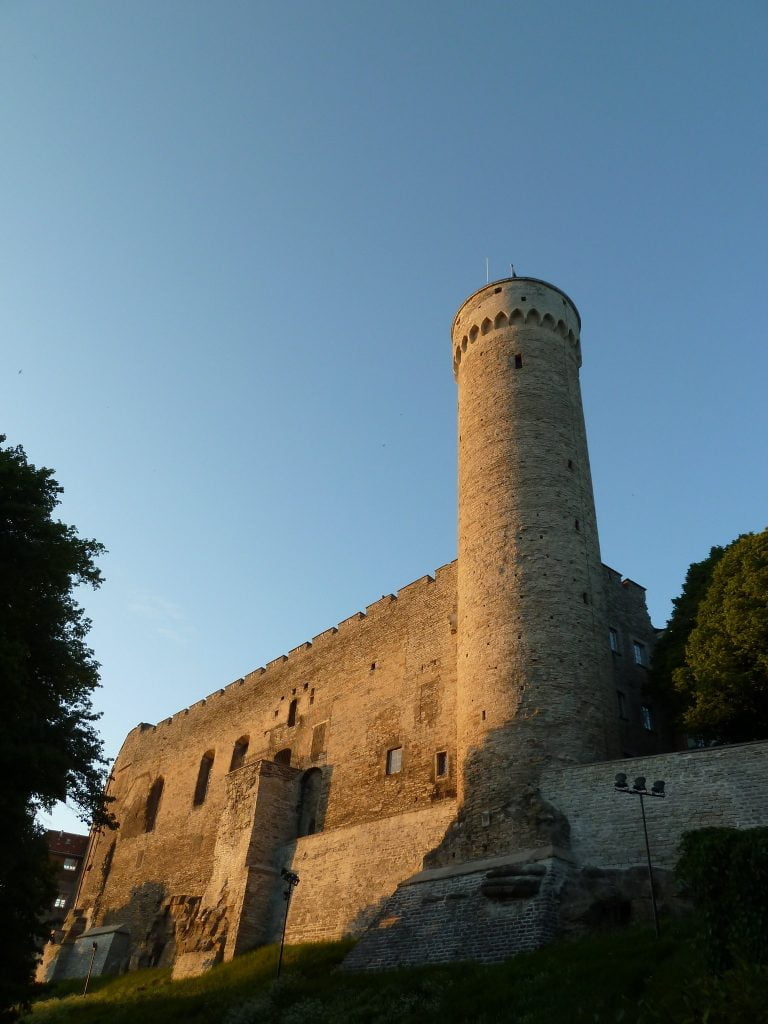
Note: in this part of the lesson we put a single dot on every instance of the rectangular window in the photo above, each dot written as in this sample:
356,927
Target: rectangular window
394,761
641,657
60,902
318,740
621,699
613,639
441,764
70,864
646,714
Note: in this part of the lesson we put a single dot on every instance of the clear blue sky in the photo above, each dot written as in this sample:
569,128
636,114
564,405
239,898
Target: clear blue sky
233,238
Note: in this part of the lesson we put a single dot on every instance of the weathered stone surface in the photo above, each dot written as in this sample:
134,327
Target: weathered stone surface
532,658
442,916
592,900
511,888
412,762
715,786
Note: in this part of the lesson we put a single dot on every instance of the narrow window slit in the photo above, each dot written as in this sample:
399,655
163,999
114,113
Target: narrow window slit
292,712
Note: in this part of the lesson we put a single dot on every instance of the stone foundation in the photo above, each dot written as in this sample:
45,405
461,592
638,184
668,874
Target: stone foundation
483,911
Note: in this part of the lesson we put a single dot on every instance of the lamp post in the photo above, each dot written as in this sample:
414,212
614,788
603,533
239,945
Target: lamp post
95,946
291,881
638,789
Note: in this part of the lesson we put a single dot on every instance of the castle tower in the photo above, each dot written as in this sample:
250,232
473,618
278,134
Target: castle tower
533,659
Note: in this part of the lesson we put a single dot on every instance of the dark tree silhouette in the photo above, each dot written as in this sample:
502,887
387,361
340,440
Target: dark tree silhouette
49,749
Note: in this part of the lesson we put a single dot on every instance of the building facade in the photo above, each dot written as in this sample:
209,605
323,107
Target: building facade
66,851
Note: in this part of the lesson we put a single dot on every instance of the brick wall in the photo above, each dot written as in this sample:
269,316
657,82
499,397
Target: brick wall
713,786
347,873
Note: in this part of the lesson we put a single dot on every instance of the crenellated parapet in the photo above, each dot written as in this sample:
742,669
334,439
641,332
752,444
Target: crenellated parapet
516,302
340,631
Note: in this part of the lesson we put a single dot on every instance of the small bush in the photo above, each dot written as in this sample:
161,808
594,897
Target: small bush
726,873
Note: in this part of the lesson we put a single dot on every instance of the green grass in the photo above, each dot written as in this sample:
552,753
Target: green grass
625,977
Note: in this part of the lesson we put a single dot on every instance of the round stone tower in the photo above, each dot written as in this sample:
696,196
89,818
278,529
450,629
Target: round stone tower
533,674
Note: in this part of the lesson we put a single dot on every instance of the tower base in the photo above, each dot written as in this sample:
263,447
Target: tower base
483,911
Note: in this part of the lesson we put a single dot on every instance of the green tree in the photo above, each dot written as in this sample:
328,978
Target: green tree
724,679
669,654
49,749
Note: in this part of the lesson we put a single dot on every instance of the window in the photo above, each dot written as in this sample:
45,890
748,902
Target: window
318,741
309,802
203,777
292,712
152,805
441,764
646,715
70,864
239,751
394,761
518,362
641,657
613,639
283,756
60,902
622,702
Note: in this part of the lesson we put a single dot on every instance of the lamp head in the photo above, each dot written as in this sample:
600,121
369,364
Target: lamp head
639,784
658,788
621,781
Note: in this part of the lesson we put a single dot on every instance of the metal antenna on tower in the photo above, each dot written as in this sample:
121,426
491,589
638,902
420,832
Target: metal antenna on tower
486,270
512,268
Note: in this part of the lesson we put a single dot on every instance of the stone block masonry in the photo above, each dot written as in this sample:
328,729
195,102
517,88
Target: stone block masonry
484,911
533,665
348,873
715,786
412,762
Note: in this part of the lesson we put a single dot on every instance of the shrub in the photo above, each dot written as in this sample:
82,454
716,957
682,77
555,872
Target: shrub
726,873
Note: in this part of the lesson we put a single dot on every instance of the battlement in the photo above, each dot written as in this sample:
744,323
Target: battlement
514,302
345,627
517,317
527,289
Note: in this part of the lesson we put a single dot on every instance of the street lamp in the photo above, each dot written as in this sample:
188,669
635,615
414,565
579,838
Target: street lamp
638,789
291,881
94,947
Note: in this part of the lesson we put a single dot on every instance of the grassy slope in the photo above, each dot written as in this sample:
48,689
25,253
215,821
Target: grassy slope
625,977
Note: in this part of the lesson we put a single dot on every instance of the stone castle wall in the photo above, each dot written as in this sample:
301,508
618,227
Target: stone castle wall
381,680
410,737
714,786
488,910
348,873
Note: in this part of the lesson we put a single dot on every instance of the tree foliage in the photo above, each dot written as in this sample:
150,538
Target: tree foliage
49,749
725,675
725,870
669,654
711,664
